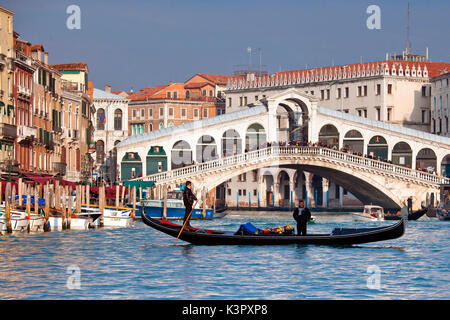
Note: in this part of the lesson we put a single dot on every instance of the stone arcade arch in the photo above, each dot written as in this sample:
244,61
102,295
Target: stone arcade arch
426,160
206,149
377,147
231,143
402,154
255,137
181,154
329,136
131,166
354,142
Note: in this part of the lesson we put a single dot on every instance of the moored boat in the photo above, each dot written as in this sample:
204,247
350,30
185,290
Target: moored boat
339,236
443,208
112,216
19,221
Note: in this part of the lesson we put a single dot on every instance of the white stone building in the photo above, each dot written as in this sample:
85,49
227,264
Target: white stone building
440,105
111,127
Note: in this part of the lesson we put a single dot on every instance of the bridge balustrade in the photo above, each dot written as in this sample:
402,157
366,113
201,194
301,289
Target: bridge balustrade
275,151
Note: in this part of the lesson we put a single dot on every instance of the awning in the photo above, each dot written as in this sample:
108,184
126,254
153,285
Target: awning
137,184
110,192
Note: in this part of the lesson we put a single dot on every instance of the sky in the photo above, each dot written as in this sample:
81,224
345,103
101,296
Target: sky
134,44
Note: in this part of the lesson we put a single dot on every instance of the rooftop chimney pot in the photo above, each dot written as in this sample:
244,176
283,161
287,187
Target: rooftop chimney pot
108,88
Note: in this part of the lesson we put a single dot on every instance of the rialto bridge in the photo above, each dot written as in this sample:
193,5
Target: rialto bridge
378,162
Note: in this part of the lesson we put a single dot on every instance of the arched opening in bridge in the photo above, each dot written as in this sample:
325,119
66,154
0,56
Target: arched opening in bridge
298,187
402,154
255,137
318,190
329,136
426,160
231,143
156,160
268,189
206,149
285,123
377,148
283,191
181,155
297,119
131,166
445,166
354,142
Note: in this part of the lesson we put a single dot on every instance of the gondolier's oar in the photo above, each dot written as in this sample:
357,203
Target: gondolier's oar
184,224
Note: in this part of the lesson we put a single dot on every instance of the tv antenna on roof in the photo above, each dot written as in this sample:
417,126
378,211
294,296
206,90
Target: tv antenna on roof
408,42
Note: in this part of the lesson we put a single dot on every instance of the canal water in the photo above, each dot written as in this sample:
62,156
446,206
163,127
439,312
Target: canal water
141,263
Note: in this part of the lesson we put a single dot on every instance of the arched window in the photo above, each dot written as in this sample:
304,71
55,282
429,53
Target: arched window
118,119
100,151
101,119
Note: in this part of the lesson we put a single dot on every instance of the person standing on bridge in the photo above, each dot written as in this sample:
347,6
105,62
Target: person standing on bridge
188,200
302,215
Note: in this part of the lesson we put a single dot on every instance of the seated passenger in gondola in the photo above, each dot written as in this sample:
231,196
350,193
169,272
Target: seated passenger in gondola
302,215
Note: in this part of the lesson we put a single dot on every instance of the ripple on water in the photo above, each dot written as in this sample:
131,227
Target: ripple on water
141,263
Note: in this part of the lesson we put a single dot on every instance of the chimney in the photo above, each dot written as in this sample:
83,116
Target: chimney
170,83
46,57
108,88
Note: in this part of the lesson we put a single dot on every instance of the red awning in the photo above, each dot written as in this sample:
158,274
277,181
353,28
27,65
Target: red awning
110,192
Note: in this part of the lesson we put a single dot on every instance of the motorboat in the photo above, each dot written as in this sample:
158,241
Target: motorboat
370,212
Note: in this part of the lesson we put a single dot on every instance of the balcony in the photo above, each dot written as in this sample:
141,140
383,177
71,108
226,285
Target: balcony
27,134
59,168
8,132
23,91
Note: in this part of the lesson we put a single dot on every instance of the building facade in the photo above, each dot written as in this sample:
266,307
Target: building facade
76,125
8,127
440,104
111,127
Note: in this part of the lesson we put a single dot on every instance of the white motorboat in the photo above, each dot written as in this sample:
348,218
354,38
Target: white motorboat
19,221
370,213
112,217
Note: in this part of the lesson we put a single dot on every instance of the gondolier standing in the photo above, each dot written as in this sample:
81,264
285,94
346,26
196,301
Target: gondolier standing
188,200
302,215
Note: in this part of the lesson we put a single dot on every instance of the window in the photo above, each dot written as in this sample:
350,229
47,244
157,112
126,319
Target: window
100,151
240,101
365,113
161,112
389,114
188,94
328,94
211,94
389,89
150,113
205,113
101,119
339,93
118,119
195,113
359,113
204,92
424,91
255,192
378,112
322,94
347,92
378,89
312,92
245,101
229,192
365,91
183,113
168,94
424,116
359,91
170,112
175,94
134,114
142,113
229,102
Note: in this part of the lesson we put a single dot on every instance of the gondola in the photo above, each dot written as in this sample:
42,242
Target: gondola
413,216
339,236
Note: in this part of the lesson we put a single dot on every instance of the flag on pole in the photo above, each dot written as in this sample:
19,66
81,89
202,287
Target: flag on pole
103,118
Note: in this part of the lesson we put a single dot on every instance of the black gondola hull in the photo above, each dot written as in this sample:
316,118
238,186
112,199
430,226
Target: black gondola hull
343,237
413,216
